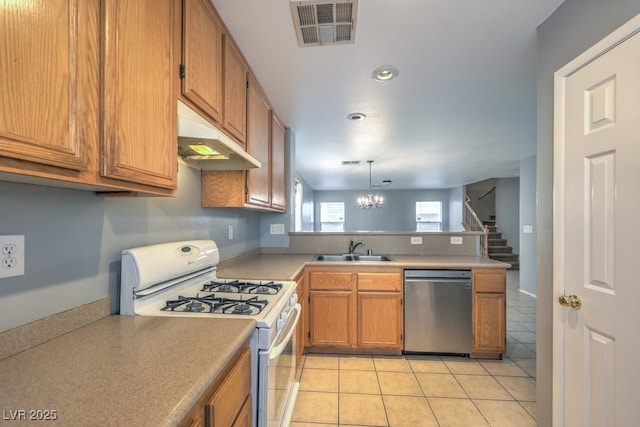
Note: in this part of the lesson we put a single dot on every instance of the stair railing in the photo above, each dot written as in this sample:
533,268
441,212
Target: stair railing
473,223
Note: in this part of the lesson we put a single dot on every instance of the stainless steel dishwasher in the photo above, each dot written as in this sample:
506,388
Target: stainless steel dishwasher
437,311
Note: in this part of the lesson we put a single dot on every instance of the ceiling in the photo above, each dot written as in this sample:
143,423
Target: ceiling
462,109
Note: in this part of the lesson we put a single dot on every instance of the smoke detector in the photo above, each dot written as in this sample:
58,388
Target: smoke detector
320,23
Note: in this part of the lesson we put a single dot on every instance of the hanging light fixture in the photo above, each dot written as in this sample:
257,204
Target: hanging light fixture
370,201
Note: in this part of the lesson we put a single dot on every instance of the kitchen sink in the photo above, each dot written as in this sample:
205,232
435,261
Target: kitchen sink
352,257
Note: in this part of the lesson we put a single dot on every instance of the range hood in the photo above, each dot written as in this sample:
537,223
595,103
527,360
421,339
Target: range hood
203,146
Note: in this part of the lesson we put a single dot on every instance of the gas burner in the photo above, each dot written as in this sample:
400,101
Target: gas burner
233,287
247,307
192,304
242,308
269,288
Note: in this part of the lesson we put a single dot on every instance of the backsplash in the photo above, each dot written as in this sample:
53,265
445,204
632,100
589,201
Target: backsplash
387,243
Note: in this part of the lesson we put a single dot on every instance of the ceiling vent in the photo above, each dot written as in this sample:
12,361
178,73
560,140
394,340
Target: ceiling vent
350,162
320,23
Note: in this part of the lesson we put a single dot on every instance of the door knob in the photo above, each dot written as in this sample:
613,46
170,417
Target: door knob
572,301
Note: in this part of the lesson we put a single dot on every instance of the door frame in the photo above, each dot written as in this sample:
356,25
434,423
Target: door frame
626,31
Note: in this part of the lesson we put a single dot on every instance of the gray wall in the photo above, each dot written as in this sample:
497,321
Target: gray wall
527,251
398,213
456,210
574,27
73,240
508,210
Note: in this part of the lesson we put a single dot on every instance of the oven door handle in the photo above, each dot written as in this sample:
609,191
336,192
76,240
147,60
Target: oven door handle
288,330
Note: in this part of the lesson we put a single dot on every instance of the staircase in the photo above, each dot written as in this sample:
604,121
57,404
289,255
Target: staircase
498,249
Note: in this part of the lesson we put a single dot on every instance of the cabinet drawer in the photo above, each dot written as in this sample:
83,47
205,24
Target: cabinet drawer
321,280
379,282
489,280
227,401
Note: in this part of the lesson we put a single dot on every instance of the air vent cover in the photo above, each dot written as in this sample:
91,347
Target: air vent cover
320,23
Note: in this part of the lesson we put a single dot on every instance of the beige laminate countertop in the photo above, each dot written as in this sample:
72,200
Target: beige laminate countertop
121,370
287,267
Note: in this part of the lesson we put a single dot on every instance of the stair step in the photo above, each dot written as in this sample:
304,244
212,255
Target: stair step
489,222
495,235
492,228
505,257
497,242
500,249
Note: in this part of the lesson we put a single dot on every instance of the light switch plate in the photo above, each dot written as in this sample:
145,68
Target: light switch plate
527,229
230,232
456,240
416,240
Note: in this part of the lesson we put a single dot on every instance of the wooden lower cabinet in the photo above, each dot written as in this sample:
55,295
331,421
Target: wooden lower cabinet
489,307
380,320
355,307
228,401
332,320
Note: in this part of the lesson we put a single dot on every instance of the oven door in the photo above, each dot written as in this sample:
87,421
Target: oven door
277,388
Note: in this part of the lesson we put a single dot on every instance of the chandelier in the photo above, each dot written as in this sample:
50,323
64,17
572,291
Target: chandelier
370,201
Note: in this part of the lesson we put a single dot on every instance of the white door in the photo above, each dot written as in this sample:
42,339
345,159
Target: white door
597,235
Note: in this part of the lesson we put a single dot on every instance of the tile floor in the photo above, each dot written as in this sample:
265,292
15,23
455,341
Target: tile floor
343,390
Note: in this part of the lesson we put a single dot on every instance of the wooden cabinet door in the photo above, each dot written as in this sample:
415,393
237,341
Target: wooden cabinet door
235,92
258,145
202,57
229,399
380,320
278,165
47,58
489,322
139,92
245,418
331,318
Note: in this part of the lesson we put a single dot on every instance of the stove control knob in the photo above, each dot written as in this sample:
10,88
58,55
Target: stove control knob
293,300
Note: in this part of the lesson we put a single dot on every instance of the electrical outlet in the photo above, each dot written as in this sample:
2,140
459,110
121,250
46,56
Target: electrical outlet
456,240
11,256
276,229
416,240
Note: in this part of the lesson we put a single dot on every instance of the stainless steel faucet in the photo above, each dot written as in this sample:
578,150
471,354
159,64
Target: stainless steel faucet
353,245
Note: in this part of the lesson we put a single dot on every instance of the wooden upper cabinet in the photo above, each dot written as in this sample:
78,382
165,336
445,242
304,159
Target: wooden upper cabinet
235,92
202,57
139,97
258,135
47,94
278,164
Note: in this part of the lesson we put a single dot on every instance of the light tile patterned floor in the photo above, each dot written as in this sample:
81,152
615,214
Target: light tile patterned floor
439,391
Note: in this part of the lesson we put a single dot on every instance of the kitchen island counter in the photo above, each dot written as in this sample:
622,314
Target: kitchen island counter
287,267
120,370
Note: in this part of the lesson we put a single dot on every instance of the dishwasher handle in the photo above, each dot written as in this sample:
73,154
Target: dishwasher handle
437,274
435,280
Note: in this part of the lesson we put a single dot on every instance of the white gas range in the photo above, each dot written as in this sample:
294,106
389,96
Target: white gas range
179,279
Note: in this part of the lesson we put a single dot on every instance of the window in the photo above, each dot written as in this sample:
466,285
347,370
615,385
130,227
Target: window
428,216
331,216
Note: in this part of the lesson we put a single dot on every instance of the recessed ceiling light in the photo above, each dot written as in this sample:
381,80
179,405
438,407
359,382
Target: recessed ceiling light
356,116
385,73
